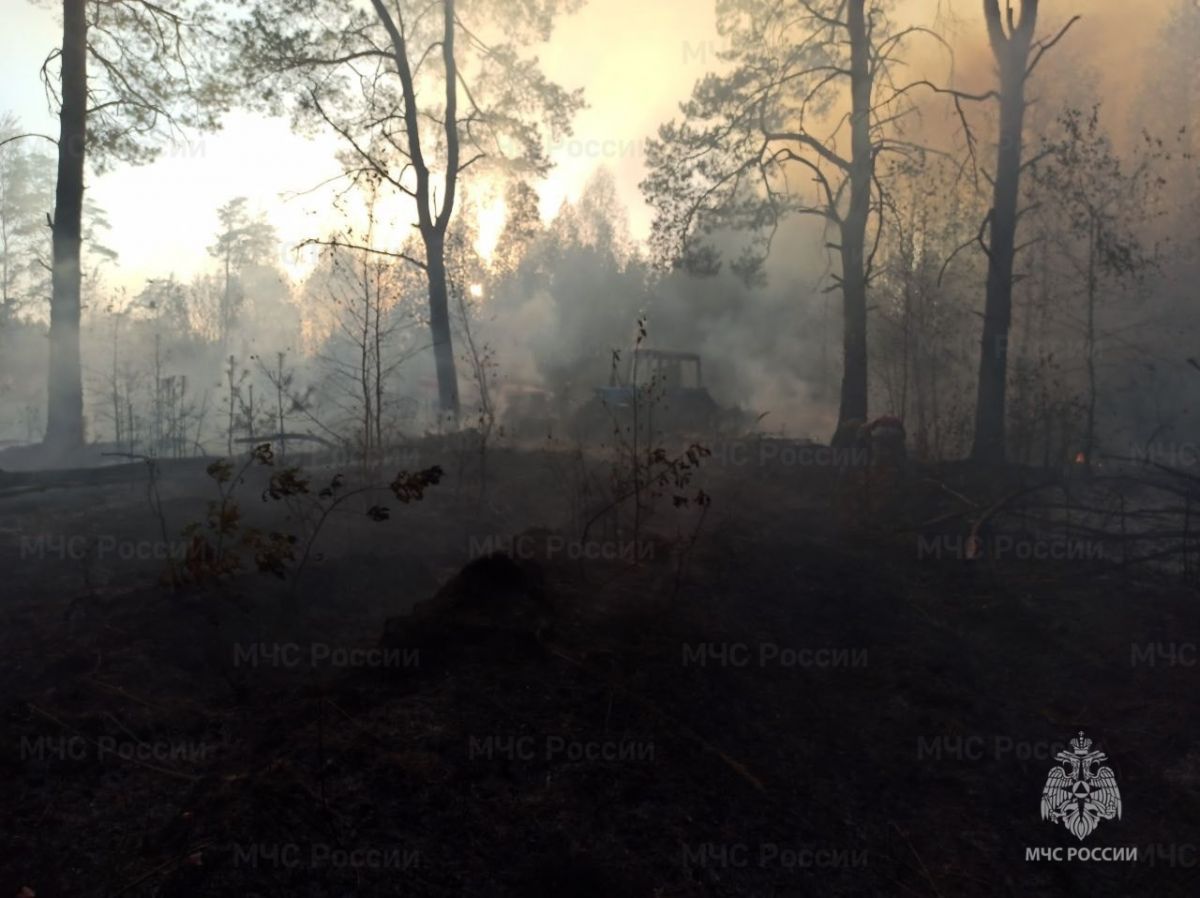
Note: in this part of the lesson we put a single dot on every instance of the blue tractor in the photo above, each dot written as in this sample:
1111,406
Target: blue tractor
661,394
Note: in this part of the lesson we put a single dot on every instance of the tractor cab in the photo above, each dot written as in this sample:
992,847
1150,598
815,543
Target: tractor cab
664,370
667,387
657,370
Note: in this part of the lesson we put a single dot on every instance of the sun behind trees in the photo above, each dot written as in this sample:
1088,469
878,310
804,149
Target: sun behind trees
485,495
421,94
442,106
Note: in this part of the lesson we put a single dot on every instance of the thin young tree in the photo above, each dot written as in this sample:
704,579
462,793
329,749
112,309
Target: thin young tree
1098,216
371,317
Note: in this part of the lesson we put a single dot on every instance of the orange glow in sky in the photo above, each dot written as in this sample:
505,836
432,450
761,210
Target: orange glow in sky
636,61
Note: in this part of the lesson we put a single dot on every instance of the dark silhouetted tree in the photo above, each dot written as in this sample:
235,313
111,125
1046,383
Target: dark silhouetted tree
795,126
129,76
1017,56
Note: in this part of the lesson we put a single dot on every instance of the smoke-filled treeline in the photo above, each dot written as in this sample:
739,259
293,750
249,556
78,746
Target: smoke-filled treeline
342,355
1098,352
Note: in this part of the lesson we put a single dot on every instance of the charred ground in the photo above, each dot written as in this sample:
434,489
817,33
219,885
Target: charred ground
805,685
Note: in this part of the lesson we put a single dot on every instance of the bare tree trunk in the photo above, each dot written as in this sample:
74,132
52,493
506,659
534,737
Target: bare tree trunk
7,301
364,366
377,338
229,373
854,225
64,418
1089,440
433,227
279,382
158,391
115,383
920,386
226,314
439,325
1011,50
906,353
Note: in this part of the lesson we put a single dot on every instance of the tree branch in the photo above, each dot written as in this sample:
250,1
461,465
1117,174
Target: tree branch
1044,46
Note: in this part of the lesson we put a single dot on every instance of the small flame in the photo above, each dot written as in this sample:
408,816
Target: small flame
1080,458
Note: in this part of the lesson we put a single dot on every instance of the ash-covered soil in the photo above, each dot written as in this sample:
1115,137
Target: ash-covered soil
777,696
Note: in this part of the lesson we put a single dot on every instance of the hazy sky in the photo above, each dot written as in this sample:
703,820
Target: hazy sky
636,59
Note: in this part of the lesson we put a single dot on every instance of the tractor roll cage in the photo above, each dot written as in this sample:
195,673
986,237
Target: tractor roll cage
658,359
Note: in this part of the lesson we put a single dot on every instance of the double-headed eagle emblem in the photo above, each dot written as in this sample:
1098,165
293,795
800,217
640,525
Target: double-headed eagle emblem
1079,794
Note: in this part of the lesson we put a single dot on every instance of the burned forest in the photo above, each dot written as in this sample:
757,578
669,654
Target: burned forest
599,448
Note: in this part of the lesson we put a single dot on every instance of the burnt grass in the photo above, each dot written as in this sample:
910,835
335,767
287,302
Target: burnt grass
807,701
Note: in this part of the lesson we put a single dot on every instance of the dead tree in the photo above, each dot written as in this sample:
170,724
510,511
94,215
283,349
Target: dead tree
1013,46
